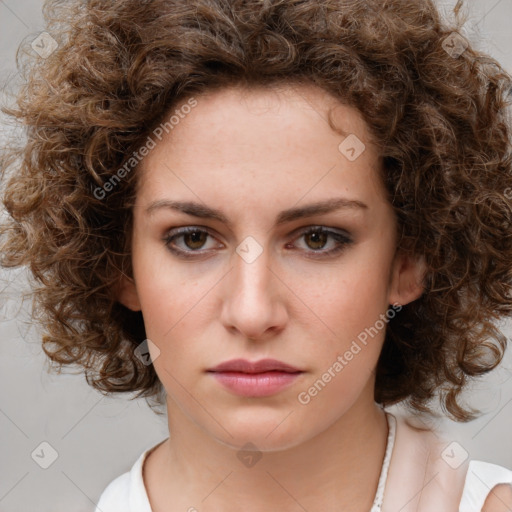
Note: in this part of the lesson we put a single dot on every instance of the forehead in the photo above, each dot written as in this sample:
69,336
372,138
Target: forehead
270,138
291,108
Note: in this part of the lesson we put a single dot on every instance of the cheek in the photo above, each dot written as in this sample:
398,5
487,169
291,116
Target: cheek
167,293
351,307
349,299
177,310
172,308
350,304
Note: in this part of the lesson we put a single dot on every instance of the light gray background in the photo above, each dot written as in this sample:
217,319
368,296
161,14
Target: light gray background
99,438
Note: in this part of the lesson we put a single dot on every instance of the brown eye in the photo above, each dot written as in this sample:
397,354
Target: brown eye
318,242
317,239
195,239
190,241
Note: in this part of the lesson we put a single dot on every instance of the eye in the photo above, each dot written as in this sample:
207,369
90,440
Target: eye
193,239
317,238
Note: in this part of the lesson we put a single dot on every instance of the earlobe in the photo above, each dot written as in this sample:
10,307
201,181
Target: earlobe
127,294
407,278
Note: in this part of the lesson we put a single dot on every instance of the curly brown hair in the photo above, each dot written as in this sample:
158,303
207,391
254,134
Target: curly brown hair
436,109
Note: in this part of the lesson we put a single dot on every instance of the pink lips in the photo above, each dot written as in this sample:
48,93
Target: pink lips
261,378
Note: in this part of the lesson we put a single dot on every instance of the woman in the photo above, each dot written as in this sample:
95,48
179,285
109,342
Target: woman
283,216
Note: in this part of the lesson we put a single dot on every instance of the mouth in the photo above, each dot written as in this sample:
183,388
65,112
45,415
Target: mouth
262,366
255,379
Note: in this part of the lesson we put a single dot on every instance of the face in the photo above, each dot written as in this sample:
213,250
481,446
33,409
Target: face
258,236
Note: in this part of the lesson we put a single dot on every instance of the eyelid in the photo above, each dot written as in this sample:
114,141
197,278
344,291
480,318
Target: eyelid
321,227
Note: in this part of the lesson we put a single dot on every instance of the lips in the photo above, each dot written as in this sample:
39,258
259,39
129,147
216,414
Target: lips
262,366
260,379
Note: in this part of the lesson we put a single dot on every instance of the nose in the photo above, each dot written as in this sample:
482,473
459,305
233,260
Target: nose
253,301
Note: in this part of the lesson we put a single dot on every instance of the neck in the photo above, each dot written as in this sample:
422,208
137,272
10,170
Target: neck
338,469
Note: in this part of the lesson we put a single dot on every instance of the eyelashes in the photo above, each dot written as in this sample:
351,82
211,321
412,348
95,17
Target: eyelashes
194,239
320,235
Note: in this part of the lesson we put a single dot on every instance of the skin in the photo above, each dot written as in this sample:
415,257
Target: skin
499,499
251,154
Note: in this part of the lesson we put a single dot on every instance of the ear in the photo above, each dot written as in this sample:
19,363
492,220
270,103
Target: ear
407,275
127,293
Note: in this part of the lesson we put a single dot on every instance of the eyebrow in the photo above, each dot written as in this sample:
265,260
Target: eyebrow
310,210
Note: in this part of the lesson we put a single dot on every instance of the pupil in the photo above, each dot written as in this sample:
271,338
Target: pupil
196,238
318,239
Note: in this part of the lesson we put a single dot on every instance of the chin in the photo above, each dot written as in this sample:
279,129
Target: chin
266,436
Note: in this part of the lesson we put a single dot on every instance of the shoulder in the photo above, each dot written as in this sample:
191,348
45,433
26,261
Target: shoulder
127,492
499,499
453,479
116,494
488,488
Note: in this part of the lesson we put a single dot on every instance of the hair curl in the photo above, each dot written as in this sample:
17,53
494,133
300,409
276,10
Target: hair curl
438,119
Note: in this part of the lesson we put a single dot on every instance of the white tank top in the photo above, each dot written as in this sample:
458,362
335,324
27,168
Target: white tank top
420,473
